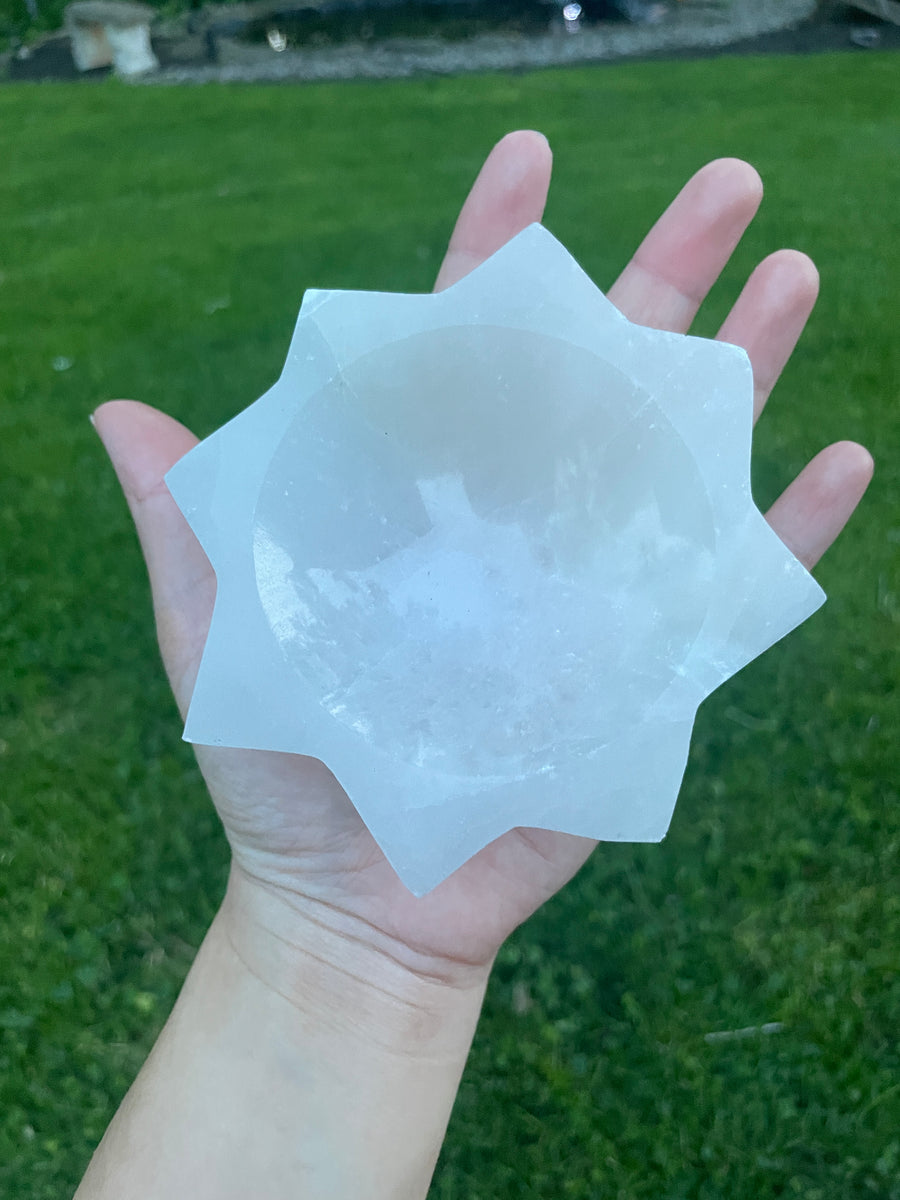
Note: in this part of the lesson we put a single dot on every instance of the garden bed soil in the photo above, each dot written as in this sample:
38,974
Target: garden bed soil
832,26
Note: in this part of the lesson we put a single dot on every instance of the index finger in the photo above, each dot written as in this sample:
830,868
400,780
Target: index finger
508,195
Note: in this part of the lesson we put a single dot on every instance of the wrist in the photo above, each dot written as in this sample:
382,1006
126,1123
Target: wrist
300,1059
372,1037
346,976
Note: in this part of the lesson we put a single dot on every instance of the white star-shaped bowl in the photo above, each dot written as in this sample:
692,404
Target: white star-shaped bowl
484,553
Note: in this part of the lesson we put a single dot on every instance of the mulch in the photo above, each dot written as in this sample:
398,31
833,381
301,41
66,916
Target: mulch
833,26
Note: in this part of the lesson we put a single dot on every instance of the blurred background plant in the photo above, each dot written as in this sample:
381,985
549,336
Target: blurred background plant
22,21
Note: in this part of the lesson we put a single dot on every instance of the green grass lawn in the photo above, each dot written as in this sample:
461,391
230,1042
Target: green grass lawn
159,241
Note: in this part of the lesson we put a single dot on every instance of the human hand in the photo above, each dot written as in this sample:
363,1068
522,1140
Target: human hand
307,875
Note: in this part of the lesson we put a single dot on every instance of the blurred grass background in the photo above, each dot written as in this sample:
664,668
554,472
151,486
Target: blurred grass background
155,243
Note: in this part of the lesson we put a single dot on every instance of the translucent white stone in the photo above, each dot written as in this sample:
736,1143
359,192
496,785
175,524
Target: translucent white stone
484,553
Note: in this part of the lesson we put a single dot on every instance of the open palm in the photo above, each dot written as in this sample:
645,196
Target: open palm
302,857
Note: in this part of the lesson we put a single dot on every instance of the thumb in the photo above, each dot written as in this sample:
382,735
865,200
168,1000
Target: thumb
143,444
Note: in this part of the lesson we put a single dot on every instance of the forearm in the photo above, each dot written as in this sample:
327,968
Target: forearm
285,1075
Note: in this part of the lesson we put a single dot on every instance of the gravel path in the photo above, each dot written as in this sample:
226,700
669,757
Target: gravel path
690,25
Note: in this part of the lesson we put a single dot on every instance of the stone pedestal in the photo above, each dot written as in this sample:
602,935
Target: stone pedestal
111,31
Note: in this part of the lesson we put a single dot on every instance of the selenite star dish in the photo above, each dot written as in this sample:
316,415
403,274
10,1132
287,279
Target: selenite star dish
484,553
